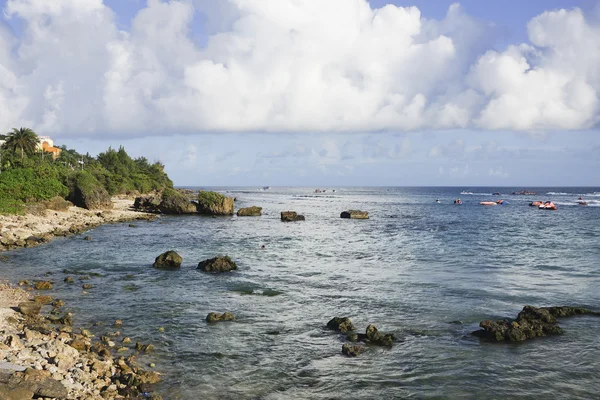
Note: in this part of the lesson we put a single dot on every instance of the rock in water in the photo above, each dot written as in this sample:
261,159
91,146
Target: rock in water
340,324
216,317
173,202
291,216
168,260
355,214
530,323
352,350
377,338
43,285
250,212
89,193
213,203
30,308
217,264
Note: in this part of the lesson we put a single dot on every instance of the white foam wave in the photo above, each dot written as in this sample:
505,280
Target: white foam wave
476,194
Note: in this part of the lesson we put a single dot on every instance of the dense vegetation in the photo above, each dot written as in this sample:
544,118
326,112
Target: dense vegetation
28,175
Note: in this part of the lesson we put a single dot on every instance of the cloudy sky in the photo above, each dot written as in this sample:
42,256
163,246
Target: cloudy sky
314,92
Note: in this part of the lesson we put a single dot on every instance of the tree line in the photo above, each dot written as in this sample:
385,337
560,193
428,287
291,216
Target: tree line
28,175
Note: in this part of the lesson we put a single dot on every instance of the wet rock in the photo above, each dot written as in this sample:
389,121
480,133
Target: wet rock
69,279
340,324
168,260
373,336
87,286
531,322
352,350
217,264
43,285
355,214
291,216
58,303
213,203
118,323
43,299
216,317
145,348
30,308
250,212
87,238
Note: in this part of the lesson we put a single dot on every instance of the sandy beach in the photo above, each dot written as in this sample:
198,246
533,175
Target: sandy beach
30,230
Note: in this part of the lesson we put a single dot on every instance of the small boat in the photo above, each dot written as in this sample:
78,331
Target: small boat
496,194
488,203
266,187
548,205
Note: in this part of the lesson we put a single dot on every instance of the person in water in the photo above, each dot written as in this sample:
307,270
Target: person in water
262,246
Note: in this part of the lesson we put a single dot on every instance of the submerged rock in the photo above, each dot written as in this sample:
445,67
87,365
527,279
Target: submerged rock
213,203
168,260
340,324
217,264
250,212
216,317
352,350
530,323
291,216
355,214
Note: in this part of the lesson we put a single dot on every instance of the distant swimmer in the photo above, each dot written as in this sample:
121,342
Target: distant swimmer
437,201
262,246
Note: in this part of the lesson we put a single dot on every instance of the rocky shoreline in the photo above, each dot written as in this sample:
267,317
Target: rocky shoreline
44,356
34,229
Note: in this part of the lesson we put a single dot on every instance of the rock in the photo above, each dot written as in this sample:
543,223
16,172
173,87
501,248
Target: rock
58,303
217,264
173,202
58,204
30,308
145,348
89,193
43,285
87,286
43,299
352,350
69,279
87,238
15,393
40,383
213,203
291,216
216,317
147,203
132,225
168,260
340,324
355,214
118,323
530,323
250,212
373,336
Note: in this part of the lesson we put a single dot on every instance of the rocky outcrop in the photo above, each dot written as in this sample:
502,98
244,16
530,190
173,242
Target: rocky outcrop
168,260
352,350
250,212
355,214
57,204
213,203
530,323
148,203
217,264
43,285
89,193
173,202
216,317
291,216
373,336
340,324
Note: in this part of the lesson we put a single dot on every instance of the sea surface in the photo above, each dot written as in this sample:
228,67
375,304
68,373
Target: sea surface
425,271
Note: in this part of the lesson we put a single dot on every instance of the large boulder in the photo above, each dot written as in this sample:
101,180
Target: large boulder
216,317
291,216
355,214
88,192
250,212
30,308
148,203
217,264
213,203
340,324
168,260
173,202
352,350
530,323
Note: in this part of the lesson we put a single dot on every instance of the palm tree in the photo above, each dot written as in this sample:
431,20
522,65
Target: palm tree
25,139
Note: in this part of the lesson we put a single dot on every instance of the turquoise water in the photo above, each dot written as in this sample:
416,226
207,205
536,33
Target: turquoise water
427,272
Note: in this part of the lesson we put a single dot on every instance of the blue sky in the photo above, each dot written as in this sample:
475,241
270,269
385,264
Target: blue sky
314,93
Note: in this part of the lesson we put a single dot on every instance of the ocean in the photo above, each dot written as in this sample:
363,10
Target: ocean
428,272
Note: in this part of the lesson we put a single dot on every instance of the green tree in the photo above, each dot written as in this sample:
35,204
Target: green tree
24,139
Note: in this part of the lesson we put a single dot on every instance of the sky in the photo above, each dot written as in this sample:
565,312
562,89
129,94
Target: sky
317,93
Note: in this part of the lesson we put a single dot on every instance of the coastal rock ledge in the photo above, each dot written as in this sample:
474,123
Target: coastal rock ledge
168,260
530,323
213,203
250,212
354,214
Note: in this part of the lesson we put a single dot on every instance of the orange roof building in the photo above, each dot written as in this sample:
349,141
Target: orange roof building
47,145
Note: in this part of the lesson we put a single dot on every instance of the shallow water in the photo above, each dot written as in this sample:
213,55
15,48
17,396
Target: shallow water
425,271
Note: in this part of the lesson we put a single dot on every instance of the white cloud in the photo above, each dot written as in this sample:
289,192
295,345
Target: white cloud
289,66
498,173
